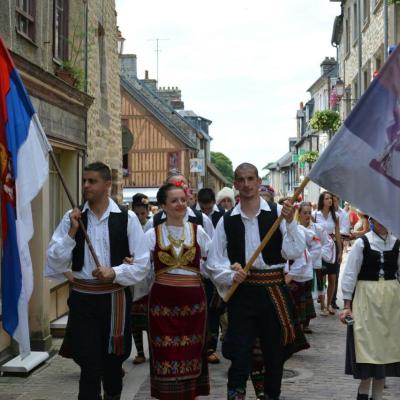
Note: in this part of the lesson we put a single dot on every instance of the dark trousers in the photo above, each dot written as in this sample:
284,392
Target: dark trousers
251,314
213,315
89,330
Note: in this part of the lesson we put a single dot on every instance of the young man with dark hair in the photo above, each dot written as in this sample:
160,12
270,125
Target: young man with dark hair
207,204
261,306
99,325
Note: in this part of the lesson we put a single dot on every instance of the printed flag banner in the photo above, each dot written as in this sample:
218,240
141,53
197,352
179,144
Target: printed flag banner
362,162
23,169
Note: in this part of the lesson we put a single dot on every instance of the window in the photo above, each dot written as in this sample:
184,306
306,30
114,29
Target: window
102,61
25,18
366,10
366,76
355,22
60,30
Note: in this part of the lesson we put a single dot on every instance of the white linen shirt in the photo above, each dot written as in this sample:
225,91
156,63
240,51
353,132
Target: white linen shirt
207,224
328,223
218,264
59,253
355,260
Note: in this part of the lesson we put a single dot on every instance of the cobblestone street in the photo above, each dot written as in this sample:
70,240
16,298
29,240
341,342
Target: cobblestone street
319,374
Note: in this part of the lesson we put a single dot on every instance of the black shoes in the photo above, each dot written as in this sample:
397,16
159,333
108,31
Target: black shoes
335,306
362,396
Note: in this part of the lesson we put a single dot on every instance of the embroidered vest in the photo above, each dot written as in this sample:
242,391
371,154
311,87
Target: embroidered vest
166,259
159,218
372,263
235,234
118,235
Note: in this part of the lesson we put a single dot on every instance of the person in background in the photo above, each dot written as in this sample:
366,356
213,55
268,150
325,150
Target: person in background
361,227
207,204
225,198
267,192
140,206
344,229
300,271
371,294
329,219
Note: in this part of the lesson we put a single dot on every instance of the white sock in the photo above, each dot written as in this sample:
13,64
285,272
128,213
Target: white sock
377,388
364,386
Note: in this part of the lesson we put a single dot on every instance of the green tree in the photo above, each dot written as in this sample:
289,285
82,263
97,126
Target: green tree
223,164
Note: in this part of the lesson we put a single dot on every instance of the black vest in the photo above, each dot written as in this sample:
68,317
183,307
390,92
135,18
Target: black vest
159,218
372,263
235,234
216,216
118,235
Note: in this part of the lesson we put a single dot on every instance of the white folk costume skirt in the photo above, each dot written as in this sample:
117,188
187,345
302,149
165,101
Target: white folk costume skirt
373,345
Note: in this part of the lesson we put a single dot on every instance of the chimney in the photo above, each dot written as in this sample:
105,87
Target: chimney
128,66
172,96
327,65
149,83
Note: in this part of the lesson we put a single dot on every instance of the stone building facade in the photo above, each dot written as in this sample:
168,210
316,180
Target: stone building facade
357,72
104,122
81,118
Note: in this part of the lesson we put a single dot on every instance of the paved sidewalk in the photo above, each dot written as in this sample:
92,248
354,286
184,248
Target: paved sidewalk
319,372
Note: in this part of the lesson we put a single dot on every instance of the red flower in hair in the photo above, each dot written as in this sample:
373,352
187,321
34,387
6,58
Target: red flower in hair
179,184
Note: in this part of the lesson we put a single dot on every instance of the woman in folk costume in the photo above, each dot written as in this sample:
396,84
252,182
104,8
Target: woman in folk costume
371,293
177,303
301,271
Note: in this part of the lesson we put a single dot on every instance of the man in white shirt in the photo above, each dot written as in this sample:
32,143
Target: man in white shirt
261,306
98,331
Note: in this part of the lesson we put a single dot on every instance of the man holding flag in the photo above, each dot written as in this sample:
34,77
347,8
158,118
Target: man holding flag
24,169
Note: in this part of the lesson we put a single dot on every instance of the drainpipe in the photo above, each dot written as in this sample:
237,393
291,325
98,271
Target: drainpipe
385,28
86,17
359,80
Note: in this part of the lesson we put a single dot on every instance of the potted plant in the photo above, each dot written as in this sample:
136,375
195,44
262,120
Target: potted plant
70,70
325,121
309,157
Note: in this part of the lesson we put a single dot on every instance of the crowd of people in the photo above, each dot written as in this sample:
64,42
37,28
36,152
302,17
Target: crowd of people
164,274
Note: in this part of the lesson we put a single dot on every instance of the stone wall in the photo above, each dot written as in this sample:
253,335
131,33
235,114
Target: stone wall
104,124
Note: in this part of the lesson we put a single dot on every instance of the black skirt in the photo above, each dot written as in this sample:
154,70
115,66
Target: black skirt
364,370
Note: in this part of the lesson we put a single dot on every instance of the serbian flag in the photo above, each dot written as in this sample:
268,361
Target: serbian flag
362,162
24,169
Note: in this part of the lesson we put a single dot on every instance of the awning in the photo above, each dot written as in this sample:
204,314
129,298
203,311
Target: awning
151,193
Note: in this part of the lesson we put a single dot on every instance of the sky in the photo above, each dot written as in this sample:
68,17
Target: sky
245,65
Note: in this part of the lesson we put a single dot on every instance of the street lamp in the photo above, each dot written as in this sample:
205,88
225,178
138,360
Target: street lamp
120,41
339,88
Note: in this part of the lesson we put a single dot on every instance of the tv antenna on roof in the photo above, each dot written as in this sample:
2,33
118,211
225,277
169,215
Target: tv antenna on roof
157,50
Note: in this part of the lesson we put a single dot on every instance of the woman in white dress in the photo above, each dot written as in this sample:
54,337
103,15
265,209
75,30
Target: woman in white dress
329,219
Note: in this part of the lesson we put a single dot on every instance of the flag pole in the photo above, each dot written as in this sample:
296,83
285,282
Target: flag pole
266,239
73,204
